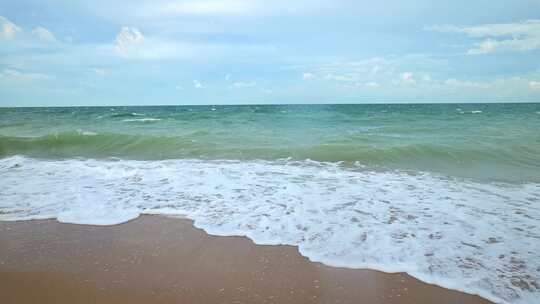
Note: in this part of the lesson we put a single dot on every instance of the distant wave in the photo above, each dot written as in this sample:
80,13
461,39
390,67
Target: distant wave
95,145
469,112
142,120
87,133
11,125
199,144
133,114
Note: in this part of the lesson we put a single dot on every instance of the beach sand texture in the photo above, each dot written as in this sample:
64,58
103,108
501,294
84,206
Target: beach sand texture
162,260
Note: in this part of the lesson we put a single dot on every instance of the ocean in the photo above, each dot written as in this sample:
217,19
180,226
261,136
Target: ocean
448,193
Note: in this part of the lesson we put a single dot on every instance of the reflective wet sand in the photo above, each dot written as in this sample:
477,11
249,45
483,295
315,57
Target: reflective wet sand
162,260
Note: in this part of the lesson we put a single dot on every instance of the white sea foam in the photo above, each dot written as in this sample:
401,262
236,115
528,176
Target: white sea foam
469,112
479,238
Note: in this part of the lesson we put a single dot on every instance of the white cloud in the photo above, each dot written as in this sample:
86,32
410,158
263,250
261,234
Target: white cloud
100,71
228,77
240,84
529,27
128,41
197,84
534,85
467,84
17,77
408,79
341,78
179,88
521,36
132,44
308,76
391,70
365,66
8,29
490,45
44,34
352,71
372,84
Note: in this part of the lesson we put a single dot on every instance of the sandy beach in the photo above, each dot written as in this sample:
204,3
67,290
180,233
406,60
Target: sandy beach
162,260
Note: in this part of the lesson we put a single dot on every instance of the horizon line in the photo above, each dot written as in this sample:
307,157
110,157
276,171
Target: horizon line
274,104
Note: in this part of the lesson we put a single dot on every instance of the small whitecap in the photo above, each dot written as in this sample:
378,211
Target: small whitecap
86,133
142,120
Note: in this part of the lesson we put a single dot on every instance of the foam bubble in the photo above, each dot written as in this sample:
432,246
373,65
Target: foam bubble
480,238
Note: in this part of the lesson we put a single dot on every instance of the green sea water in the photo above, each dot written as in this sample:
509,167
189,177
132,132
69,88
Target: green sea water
484,141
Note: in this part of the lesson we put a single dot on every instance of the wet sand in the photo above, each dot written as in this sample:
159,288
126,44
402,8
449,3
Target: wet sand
163,260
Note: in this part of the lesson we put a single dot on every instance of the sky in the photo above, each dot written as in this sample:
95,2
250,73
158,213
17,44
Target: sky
100,52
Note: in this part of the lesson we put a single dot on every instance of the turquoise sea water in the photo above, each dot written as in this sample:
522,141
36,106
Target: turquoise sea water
447,193
490,141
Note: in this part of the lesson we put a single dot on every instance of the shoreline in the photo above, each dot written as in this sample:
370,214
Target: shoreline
156,259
